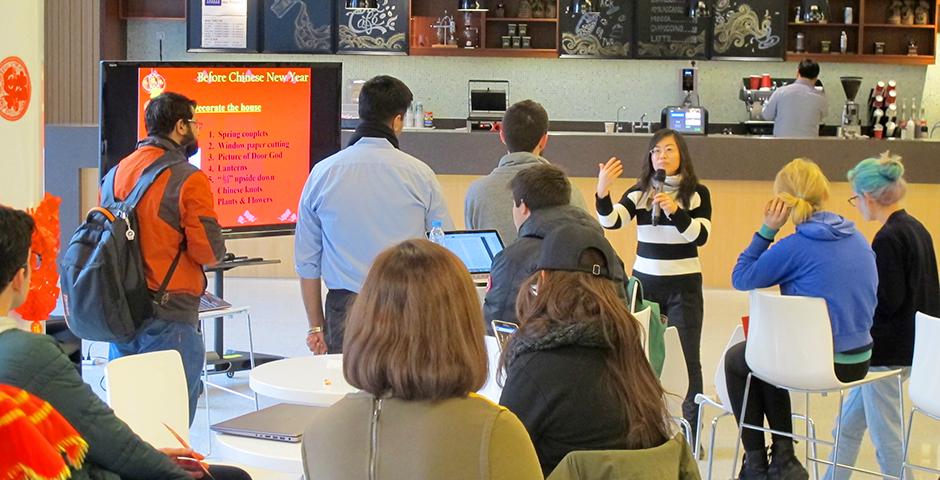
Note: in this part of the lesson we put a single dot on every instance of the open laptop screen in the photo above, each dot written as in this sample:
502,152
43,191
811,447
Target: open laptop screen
476,248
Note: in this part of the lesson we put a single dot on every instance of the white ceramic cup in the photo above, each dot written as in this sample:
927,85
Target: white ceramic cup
609,127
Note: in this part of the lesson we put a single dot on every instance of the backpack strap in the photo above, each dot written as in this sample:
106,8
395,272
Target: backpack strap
162,296
147,177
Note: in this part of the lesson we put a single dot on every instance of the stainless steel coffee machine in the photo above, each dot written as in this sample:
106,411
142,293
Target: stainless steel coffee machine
851,121
754,100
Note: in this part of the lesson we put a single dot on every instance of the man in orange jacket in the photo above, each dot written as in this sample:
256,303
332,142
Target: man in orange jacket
179,234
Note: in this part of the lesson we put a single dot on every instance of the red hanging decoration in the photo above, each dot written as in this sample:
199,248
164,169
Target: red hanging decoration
44,284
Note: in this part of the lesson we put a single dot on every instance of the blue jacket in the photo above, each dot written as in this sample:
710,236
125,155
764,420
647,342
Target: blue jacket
826,258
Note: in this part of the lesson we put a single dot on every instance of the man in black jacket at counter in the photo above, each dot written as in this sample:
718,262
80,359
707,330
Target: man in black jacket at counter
541,203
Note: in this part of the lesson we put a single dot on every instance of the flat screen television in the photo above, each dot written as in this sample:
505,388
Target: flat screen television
263,127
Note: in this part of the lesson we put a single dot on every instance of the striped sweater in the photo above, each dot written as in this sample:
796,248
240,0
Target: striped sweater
669,249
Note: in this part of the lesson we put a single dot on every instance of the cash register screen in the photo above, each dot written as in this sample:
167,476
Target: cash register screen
488,100
688,120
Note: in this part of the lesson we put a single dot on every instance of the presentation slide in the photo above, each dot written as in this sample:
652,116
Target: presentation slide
254,138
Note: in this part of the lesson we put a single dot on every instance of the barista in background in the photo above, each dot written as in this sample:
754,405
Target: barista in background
798,109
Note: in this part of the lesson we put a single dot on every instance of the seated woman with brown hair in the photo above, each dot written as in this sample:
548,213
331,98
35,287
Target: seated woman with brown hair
414,346
576,373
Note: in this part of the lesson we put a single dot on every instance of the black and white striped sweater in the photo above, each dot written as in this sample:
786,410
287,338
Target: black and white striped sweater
669,249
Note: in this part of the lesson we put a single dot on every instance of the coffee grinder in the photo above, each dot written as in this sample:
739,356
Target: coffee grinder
851,123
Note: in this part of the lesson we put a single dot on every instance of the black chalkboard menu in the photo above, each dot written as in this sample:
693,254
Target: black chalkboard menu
298,26
606,32
749,28
213,26
383,30
664,29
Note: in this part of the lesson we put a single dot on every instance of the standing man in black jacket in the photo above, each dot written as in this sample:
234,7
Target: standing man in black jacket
907,283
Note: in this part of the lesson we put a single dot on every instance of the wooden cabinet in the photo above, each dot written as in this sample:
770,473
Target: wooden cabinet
870,24
486,30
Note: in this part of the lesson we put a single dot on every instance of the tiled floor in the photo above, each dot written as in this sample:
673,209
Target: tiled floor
279,328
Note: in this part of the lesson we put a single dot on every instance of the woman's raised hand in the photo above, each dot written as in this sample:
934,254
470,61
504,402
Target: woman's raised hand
608,172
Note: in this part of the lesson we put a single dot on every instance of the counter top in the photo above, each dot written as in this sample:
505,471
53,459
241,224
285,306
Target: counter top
718,157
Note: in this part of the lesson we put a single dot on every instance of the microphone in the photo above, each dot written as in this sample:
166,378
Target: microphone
659,179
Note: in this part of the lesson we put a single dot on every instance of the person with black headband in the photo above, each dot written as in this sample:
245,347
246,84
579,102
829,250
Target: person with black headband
355,204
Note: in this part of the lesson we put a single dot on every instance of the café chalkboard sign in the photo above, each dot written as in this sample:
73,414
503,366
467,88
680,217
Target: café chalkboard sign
749,28
664,29
382,30
604,33
298,26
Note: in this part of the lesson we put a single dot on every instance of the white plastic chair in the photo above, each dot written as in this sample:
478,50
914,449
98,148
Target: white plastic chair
723,403
643,317
147,390
790,347
491,390
675,379
924,387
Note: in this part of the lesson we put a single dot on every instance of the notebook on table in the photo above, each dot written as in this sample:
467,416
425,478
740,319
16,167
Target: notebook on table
476,249
284,422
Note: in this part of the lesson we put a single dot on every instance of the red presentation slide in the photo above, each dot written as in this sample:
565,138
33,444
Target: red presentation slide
254,141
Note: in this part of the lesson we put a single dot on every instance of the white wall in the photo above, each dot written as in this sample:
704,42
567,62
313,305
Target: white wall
570,89
22,140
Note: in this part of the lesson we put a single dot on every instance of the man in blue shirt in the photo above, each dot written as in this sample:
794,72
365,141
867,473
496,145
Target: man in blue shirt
798,108
356,203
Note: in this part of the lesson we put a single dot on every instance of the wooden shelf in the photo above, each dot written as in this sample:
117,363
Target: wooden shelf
522,20
485,52
889,25
866,58
824,25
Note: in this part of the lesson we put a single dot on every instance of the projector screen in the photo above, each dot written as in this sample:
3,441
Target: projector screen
262,128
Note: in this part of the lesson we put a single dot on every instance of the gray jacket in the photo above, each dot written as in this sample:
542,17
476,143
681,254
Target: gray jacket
489,201
518,261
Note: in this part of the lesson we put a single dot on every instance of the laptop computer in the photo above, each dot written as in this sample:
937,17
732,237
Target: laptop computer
476,249
209,302
284,422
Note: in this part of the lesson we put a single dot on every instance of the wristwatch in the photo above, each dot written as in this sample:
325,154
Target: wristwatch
314,330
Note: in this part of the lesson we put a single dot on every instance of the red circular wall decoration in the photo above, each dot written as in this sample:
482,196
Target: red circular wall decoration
15,90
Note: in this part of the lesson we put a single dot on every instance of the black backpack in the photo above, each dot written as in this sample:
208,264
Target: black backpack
104,285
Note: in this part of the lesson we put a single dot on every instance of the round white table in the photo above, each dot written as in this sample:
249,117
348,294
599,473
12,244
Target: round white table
313,380
318,379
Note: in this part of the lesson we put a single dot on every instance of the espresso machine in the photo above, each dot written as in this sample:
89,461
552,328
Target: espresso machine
754,100
851,122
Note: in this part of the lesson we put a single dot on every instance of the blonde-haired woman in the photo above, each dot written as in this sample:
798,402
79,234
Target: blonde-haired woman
827,258
414,346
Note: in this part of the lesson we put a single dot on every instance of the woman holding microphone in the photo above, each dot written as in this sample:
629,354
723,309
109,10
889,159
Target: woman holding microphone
673,216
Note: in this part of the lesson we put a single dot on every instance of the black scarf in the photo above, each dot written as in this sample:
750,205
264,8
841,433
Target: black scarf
375,130
584,334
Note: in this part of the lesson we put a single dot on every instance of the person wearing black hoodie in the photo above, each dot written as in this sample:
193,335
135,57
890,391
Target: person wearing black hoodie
541,203
907,283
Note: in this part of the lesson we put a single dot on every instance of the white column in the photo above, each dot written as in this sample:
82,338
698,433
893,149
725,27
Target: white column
21,109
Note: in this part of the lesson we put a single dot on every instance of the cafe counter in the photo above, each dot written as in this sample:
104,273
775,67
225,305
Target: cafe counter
738,171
